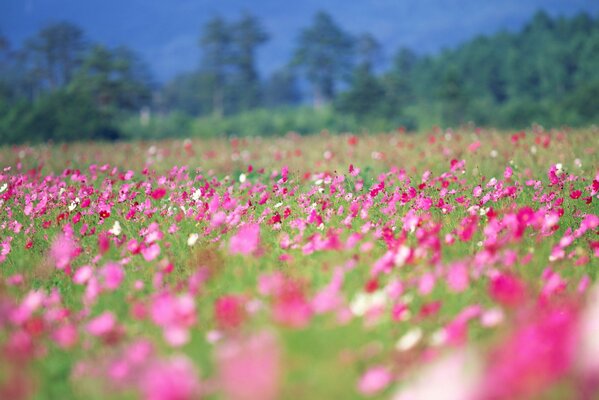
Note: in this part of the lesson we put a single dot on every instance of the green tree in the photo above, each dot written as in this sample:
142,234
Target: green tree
398,83
248,35
187,92
114,79
365,93
453,97
281,89
324,53
216,45
55,53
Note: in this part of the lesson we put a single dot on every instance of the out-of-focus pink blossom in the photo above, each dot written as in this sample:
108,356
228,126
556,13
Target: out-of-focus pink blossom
249,368
63,251
175,379
246,240
102,324
374,380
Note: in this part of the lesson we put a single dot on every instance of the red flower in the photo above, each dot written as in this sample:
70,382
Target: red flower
158,193
575,194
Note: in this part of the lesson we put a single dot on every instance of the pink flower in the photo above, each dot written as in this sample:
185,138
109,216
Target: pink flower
65,336
175,315
374,380
508,173
102,325
291,307
474,146
158,193
82,275
539,353
246,240
457,277
175,379
63,251
229,311
150,252
113,275
507,290
250,368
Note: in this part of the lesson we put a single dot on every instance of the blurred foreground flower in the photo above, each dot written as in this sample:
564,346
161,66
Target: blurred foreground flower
249,368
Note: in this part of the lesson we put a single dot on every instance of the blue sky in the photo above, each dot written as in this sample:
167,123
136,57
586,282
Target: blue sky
165,33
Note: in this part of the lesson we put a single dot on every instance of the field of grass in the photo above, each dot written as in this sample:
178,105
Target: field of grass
452,264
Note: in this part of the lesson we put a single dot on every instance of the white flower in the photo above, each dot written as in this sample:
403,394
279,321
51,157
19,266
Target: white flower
72,206
533,149
242,178
363,302
494,153
409,339
401,256
116,228
3,187
559,168
196,194
192,239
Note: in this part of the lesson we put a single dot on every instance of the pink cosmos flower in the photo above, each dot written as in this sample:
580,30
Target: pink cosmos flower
229,311
246,240
457,277
507,290
175,379
65,336
175,315
113,275
249,368
63,251
102,324
150,252
374,380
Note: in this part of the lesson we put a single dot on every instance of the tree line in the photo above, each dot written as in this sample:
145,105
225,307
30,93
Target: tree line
60,85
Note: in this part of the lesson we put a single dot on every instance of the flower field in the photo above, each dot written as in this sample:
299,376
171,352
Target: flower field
452,264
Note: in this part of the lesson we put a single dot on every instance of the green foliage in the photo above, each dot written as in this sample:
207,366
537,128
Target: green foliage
60,116
364,96
228,73
175,124
545,73
61,87
324,53
281,89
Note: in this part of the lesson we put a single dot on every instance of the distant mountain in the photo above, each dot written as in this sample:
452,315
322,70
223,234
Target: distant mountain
166,32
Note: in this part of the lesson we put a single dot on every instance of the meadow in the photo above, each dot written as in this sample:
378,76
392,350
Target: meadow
454,264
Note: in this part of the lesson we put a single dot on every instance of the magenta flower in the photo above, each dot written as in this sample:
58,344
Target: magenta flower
246,240
63,251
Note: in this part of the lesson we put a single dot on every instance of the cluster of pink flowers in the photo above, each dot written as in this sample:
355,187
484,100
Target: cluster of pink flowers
137,273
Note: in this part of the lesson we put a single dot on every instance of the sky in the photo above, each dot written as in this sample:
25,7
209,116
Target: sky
165,33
